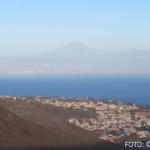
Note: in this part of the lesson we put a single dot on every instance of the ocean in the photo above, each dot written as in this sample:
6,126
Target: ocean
133,88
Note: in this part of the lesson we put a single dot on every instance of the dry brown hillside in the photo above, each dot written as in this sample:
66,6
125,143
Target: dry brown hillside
55,133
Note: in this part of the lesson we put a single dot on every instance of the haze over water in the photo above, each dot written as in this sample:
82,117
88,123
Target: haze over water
133,88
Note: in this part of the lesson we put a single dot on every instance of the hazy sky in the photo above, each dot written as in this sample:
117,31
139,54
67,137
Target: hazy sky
35,26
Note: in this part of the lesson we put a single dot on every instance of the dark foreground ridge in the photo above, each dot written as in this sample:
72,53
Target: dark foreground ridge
17,133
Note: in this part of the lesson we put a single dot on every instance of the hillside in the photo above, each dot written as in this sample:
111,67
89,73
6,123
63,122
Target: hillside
41,114
18,133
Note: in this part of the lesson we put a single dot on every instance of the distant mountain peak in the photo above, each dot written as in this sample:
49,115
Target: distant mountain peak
74,46
75,42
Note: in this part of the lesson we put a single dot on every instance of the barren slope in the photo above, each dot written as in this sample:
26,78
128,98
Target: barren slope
59,134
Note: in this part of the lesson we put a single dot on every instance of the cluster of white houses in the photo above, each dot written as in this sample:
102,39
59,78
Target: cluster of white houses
113,120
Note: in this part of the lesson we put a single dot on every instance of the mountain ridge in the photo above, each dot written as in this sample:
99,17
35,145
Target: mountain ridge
18,133
78,58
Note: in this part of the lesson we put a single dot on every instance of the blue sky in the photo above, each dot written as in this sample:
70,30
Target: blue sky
36,26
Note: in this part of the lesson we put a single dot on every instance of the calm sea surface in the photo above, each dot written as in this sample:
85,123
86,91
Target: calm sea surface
126,87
